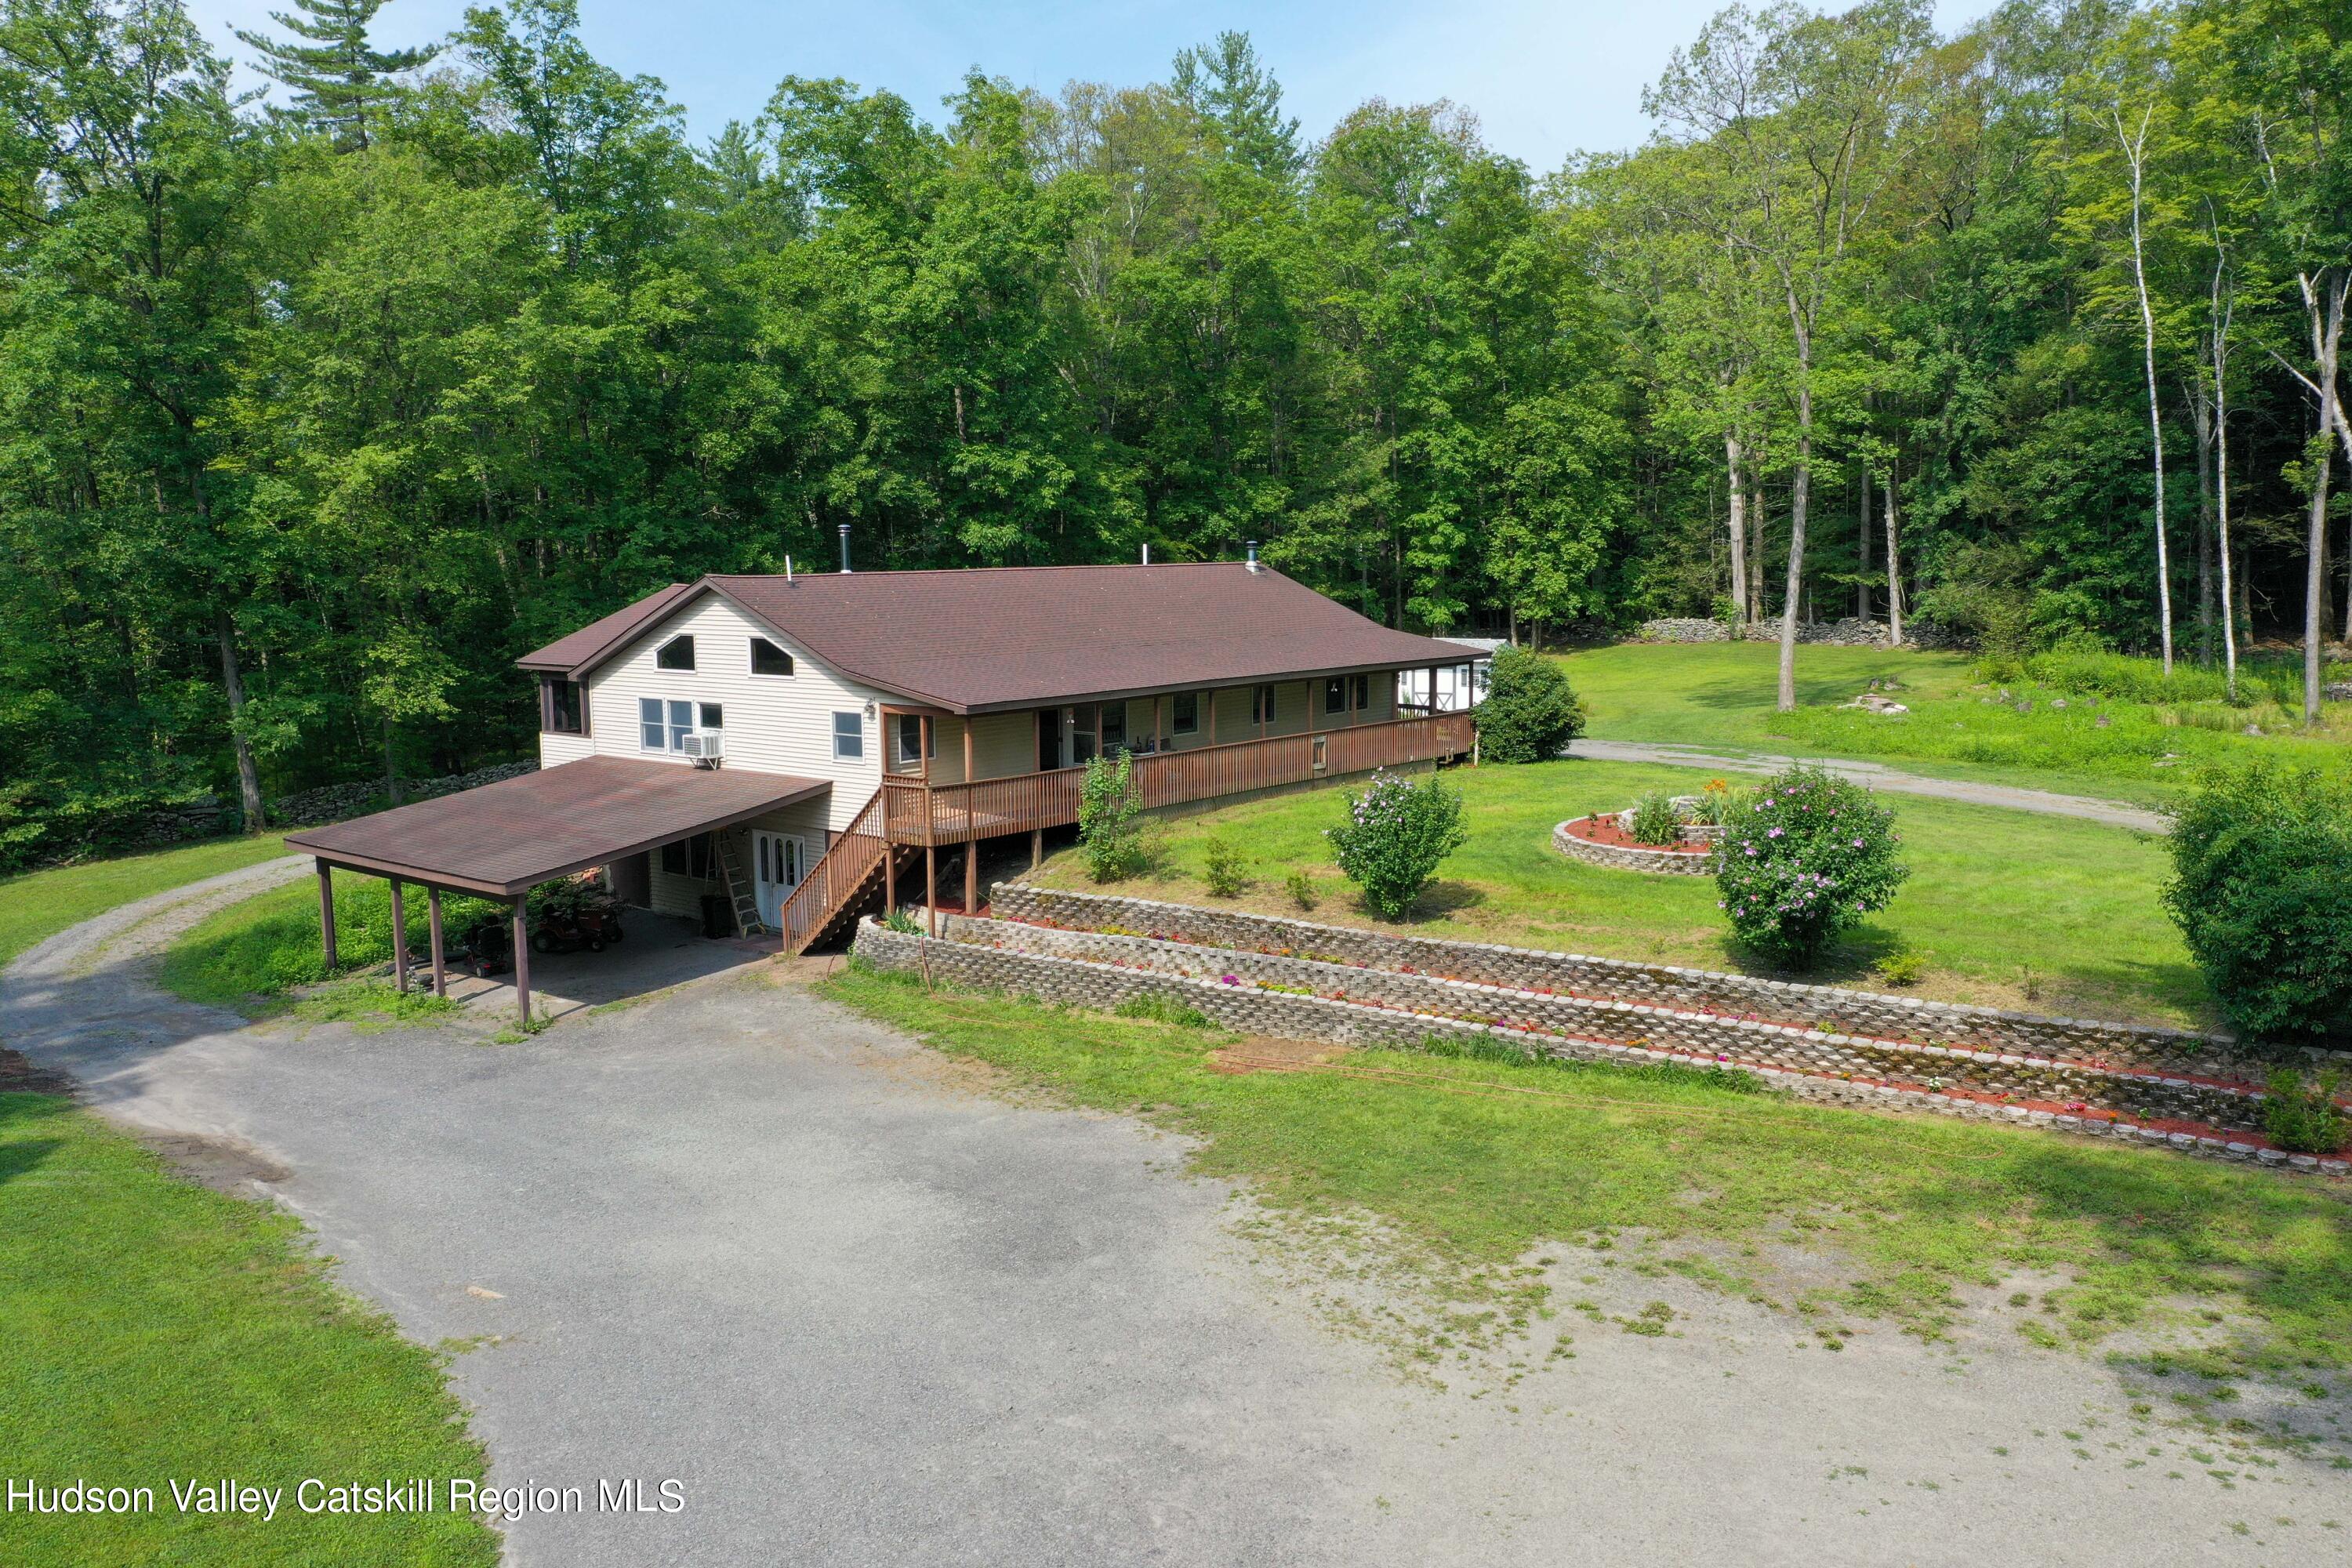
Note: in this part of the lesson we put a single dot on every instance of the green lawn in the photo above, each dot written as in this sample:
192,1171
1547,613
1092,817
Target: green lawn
250,955
1464,1167
2006,908
151,1330
38,905
1723,694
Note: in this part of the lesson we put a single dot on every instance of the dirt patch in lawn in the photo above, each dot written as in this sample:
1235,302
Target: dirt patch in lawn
224,1165
18,1076
1265,1053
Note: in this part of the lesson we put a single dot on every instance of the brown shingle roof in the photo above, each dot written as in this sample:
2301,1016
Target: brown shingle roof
578,650
506,836
985,639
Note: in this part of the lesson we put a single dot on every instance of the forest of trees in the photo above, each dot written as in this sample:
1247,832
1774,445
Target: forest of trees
316,410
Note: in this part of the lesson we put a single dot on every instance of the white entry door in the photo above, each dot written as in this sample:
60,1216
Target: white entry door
779,867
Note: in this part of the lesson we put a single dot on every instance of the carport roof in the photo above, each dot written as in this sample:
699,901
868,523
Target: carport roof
502,838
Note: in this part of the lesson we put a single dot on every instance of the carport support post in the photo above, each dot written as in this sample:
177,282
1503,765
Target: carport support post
399,940
433,919
522,956
327,911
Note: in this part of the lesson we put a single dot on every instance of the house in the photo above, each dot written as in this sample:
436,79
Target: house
796,745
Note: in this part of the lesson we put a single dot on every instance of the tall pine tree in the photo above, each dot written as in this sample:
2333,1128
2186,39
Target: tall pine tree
338,77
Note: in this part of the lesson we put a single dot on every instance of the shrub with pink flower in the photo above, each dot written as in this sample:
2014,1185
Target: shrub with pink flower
1803,858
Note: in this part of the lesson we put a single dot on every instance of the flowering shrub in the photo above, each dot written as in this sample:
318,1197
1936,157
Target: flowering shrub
1109,835
1394,835
1803,858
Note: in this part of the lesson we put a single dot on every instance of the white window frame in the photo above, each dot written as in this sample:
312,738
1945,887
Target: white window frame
677,718
663,652
751,660
854,735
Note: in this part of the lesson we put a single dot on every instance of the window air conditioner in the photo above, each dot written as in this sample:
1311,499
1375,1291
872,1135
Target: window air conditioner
704,745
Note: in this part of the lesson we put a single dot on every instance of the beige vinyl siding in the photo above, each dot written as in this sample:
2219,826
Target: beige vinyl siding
554,751
774,723
676,895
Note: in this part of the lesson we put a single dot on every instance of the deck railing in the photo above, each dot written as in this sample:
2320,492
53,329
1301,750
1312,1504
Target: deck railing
835,877
913,813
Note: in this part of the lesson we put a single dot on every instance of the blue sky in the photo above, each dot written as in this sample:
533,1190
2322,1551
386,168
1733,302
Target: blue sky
1545,79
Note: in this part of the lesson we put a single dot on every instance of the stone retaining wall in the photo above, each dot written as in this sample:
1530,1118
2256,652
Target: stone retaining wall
1850,632
1631,856
1744,1042
1071,982
340,803
1860,1012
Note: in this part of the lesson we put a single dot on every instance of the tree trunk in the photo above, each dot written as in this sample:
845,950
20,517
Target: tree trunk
1800,486
1893,569
1756,521
1736,485
2327,335
2201,422
2132,154
391,768
248,776
1862,549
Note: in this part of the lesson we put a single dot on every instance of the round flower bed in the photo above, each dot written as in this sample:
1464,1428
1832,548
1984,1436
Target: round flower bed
1604,841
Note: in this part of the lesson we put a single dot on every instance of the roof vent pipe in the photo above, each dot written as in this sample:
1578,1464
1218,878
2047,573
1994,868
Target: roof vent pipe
1251,562
845,547
788,571
1146,553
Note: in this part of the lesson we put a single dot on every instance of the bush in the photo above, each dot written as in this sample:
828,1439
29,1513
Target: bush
1109,833
1394,837
1655,820
1802,859
1529,714
2303,1119
1301,889
1223,868
2260,893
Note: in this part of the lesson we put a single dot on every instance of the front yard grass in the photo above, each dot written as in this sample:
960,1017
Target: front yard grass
1463,1167
152,1329
250,956
2005,908
37,905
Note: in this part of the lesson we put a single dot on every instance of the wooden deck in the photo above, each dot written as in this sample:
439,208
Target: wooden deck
908,815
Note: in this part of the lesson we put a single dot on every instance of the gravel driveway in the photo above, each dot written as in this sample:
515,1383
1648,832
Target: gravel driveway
868,1309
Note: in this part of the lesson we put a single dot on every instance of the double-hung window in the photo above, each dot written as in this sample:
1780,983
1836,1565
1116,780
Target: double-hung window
1114,727
663,724
849,734
1261,704
1184,713
1335,695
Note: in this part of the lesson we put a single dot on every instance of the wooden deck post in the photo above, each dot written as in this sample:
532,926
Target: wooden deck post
440,960
1036,848
327,911
399,940
522,956
931,887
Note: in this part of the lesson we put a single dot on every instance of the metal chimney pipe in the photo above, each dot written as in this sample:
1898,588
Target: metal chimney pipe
1252,559
1146,553
845,547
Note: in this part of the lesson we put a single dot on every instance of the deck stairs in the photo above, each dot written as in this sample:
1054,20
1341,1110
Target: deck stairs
846,880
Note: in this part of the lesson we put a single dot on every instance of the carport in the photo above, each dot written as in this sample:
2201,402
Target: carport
503,839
